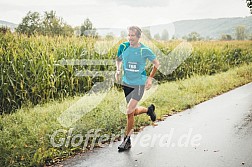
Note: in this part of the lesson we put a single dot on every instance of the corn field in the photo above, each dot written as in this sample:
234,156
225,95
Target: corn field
30,71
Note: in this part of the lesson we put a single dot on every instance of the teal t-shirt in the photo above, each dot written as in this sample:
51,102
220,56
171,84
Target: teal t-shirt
134,62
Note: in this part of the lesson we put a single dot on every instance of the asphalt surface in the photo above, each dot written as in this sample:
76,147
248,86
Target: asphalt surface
215,133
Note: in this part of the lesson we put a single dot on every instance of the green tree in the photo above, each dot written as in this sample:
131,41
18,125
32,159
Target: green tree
165,35
4,30
67,30
77,31
53,25
157,36
250,37
50,25
249,4
194,36
226,37
146,33
208,38
110,36
31,24
240,32
87,29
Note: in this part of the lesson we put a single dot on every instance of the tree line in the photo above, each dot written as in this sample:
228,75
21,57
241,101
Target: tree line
240,34
51,25
249,5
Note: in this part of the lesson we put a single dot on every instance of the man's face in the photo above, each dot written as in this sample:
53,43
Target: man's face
133,39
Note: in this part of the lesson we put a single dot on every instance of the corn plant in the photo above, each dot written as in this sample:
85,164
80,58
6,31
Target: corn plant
30,71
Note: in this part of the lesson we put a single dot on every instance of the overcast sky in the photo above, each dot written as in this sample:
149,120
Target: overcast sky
122,13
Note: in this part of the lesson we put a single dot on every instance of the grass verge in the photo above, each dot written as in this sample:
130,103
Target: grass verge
25,136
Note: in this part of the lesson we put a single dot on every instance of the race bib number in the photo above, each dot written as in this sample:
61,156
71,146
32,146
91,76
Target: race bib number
132,66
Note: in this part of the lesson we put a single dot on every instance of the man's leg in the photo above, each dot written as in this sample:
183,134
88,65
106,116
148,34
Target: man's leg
131,108
126,144
150,111
131,95
140,110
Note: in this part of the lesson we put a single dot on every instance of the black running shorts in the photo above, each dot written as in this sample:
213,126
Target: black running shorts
133,92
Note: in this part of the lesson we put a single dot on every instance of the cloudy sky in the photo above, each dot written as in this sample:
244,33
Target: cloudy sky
122,13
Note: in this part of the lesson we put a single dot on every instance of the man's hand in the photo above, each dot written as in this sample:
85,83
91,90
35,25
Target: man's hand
118,71
117,75
148,83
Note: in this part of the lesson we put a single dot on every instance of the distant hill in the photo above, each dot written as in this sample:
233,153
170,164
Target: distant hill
207,28
212,28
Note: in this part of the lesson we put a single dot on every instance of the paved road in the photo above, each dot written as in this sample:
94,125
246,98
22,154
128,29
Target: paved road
216,133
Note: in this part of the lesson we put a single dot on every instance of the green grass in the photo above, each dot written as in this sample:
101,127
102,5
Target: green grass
25,134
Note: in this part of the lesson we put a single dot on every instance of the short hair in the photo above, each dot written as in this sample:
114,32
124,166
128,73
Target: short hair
138,30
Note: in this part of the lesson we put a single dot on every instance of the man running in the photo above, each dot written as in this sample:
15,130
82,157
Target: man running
133,55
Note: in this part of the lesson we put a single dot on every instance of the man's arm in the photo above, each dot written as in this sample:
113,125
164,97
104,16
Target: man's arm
154,68
152,74
118,64
118,69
